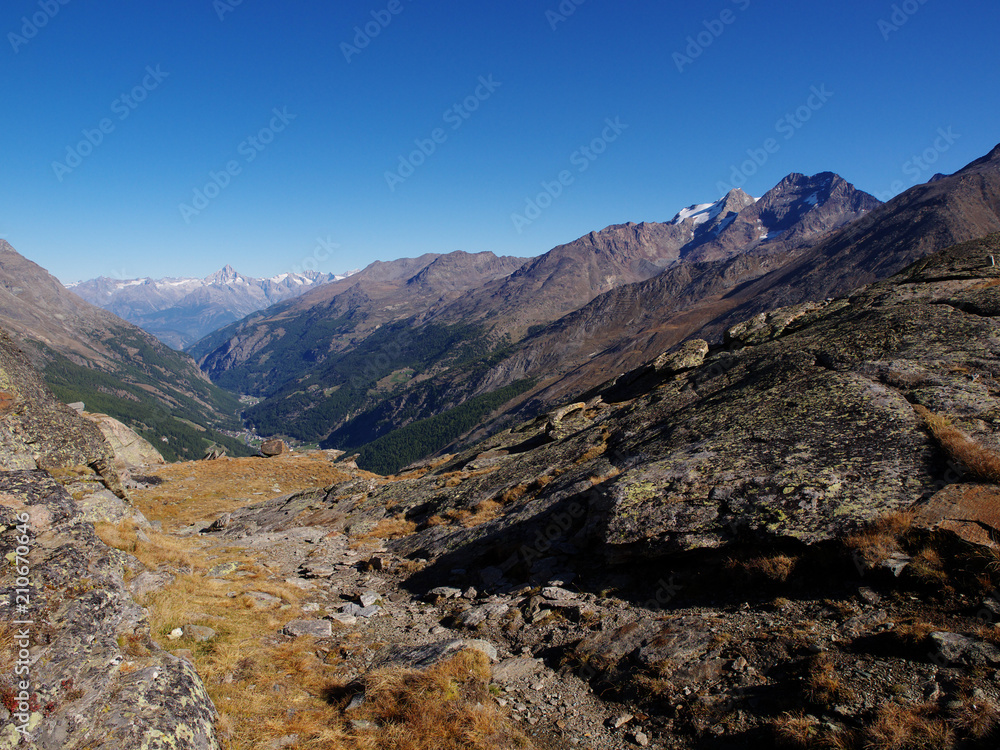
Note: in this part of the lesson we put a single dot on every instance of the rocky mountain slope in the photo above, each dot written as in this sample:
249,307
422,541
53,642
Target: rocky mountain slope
789,540
88,354
347,382
182,311
626,326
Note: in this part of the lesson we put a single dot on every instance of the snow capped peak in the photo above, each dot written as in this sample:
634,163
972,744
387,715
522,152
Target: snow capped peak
700,213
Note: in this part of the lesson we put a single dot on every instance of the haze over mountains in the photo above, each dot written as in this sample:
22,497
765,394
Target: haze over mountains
181,311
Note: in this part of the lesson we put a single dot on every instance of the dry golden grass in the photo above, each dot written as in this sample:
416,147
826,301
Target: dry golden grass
823,685
795,730
8,657
200,491
593,452
912,633
977,720
392,528
161,549
513,494
899,727
447,707
928,566
875,544
979,460
485,511
267,686
774,568
601,478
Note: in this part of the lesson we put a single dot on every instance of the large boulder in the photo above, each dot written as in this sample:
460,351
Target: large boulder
812,432
131,450
272,448
95,678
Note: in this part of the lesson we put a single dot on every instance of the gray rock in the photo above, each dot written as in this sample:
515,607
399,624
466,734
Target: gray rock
199,633
224,569
429,654
556,593
162,695
264,599
444,592
272,448
313,628
281,742
517,669
369,611
147,582
953,648
478,615
368,598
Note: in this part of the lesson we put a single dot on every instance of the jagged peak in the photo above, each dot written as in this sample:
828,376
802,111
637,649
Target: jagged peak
224,275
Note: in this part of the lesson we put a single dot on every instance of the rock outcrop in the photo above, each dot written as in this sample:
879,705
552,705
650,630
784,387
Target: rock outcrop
86,672
130,450
37,431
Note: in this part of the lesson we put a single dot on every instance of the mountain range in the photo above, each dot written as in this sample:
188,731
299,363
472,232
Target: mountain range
182,311
413,339
412,356
403,359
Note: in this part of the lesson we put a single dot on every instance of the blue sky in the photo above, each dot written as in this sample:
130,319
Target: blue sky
511,127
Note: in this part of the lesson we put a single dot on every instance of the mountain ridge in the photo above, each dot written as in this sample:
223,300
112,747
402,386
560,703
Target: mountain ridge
181,311
481,323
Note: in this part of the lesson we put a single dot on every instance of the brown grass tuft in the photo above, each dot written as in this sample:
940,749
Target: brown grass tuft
823,684
979,460
875,544
392,528
774,568
795,730
447,707
899,727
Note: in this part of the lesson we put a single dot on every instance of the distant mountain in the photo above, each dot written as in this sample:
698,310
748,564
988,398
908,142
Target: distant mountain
352,361
88,354
622,328
359,318
182,311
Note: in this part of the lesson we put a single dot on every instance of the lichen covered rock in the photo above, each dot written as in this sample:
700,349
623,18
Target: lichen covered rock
94,678
37,431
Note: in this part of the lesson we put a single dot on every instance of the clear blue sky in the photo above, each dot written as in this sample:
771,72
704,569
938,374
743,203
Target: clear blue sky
889,89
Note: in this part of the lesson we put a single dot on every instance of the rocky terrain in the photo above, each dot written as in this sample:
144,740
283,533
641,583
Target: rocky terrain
180,312
78,667
785,539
